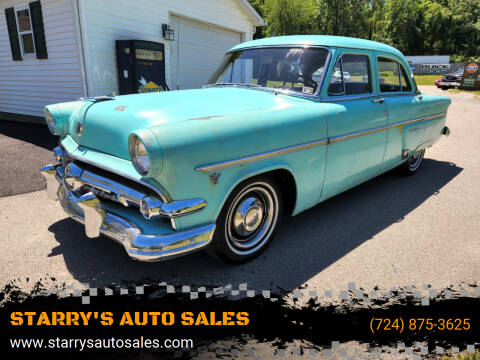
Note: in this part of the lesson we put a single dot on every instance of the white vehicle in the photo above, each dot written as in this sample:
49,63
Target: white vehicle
338,77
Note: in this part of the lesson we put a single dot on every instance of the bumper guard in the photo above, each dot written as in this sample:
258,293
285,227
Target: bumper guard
87,209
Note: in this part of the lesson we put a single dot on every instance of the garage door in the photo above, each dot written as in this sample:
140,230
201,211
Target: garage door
197,51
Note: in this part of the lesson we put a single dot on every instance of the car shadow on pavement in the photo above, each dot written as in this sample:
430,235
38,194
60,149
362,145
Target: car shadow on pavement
36,134
26,148
304,246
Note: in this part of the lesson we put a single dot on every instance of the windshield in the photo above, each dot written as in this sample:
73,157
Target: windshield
295,69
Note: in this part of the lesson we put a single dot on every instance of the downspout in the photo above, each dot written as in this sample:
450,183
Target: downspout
81,46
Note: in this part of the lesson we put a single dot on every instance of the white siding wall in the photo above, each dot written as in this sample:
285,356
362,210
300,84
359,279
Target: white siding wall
27,86
103,22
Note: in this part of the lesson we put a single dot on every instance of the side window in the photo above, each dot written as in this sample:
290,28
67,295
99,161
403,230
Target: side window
388,75
351,76
336,81
406,85
392,76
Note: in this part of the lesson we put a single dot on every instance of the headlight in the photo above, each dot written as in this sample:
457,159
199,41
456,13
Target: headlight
57,119
50,121
139,155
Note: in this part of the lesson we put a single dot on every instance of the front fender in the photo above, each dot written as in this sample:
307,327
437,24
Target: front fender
189,145
306,167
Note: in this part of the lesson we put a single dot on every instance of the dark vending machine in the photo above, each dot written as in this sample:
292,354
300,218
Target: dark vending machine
141,66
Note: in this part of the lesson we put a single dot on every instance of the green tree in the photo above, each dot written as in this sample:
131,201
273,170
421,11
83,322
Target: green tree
343,17
258,6
289,17
415,27
398,23
464,26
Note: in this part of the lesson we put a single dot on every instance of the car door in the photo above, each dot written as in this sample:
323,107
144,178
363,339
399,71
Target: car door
356,145
403,104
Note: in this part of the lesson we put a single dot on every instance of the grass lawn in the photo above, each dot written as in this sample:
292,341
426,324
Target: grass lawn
426,79
472,356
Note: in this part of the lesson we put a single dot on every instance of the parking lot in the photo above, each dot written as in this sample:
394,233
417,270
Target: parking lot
389,232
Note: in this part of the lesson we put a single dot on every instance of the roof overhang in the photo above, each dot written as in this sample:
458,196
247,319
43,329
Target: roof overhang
252,13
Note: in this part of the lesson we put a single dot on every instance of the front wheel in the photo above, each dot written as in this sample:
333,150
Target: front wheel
248,221
413,163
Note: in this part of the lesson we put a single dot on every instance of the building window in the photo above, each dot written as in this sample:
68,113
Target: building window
25,31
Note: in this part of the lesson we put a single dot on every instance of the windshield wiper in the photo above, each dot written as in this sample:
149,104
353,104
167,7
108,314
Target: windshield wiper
238,84
260,87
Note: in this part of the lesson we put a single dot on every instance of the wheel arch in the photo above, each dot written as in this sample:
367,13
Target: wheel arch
282,175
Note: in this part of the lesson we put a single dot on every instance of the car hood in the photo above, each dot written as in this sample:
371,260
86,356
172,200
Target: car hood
107,124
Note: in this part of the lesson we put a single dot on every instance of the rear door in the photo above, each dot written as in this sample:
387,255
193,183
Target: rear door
403,104
356,145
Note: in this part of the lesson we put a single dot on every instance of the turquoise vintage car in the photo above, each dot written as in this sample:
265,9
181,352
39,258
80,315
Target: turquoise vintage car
278,129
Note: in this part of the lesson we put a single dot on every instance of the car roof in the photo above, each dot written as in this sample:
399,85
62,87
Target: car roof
319,40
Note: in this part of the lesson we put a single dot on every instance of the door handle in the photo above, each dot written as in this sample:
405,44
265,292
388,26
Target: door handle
381,100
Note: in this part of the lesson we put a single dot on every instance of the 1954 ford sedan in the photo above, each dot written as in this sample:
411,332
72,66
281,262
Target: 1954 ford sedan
278,128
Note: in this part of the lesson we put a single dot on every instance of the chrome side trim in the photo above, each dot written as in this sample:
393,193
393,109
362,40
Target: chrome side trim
339,138
152,208
407,122
382,128
289,149
261,156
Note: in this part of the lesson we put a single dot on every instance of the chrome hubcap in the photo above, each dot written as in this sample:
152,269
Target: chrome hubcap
248,216
415,160
251,218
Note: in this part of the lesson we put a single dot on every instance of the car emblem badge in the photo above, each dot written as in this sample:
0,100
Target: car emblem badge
79,128
214,178
120,108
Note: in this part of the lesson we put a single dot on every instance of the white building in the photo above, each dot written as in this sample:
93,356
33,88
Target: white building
59,50
428,59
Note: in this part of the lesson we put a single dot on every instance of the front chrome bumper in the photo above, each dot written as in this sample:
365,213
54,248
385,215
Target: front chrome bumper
89,208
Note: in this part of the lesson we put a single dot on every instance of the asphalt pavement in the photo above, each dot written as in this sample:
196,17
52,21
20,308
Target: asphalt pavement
24,149
391,231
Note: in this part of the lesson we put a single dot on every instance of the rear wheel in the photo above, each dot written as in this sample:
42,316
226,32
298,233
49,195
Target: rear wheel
248,221
413,163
